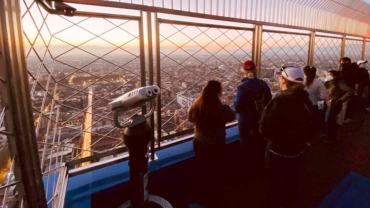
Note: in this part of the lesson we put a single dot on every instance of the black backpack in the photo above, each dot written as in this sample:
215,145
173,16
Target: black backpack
258,101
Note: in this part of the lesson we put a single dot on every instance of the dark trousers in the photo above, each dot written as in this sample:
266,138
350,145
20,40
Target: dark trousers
283,177
252,147
209,173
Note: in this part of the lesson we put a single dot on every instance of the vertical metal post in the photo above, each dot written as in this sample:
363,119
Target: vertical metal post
311,49
257,47
142,50
142,55
343,46
158,80
151,78
363,49
19,119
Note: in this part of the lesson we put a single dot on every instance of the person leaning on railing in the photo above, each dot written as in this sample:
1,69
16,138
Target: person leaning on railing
287,124
210,115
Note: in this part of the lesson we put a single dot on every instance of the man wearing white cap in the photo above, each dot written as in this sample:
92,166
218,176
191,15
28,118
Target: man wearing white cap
287,124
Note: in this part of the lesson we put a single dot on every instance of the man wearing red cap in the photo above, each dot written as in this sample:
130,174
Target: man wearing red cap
252,96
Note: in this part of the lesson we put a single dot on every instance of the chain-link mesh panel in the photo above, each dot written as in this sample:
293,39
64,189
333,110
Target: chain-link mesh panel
8,192
367,50
281,49
327,54
192,55
76,66
353,49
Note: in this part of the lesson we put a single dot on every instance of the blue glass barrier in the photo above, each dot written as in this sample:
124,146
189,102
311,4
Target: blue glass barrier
81,187
353,191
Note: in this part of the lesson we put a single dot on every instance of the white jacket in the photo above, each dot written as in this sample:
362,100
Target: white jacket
316,91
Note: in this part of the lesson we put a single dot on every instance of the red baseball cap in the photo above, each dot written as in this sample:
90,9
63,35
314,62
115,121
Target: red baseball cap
249,65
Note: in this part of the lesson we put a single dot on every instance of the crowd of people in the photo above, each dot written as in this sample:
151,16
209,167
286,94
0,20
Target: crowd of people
275,131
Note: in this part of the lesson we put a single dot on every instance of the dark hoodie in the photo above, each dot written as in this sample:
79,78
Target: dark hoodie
287,122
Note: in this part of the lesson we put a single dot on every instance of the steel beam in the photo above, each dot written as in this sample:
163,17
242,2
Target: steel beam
16,97
257,47
311,49
363,48
158,79
343,46
124,5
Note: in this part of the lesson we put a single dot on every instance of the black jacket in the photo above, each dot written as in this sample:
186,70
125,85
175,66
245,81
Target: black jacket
287,121
211,130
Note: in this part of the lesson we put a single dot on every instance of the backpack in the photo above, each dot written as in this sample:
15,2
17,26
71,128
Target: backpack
257,100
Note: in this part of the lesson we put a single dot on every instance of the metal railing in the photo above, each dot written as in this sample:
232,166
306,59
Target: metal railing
77,65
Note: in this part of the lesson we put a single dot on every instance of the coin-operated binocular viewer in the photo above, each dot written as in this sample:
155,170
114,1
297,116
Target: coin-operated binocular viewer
136,135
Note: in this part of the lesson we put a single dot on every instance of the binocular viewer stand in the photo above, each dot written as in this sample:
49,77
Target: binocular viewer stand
137,137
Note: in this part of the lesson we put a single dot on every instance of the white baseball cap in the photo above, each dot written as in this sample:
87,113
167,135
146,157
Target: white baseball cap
361,62
293,73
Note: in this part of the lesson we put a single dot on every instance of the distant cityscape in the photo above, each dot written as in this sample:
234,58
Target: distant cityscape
181,83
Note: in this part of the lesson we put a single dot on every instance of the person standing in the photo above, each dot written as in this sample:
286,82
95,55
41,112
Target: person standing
317,94
252,96
364,83
287,124
210,116
338,94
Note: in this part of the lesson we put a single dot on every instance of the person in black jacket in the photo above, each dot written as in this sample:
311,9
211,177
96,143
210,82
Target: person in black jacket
338,94
287,124
210,116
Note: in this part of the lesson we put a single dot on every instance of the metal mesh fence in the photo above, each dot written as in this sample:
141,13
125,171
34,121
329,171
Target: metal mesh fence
326,54
353,49
8,192
192,55
367,50
76,66
281,49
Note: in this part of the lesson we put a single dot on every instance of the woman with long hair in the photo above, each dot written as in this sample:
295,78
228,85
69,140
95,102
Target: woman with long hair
287,125
210,115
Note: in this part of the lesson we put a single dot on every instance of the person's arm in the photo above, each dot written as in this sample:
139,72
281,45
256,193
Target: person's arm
267,94
269,119
241,101
348,92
